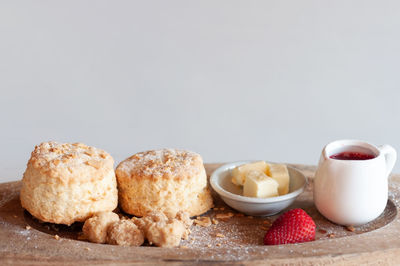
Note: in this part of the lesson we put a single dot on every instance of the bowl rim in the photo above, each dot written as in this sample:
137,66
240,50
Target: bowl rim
228,166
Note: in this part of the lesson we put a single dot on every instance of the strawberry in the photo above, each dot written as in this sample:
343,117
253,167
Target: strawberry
294,226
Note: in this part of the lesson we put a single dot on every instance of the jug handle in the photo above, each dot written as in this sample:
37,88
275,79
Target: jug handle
390,157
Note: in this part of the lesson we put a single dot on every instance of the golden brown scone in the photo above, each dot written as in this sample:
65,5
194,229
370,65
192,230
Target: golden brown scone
164,180
124,233
95,228
65,183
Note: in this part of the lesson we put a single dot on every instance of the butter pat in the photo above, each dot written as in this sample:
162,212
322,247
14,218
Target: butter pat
239,173
280,173
259,185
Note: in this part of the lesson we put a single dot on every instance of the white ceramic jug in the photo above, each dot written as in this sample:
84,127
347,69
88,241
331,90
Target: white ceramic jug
353,192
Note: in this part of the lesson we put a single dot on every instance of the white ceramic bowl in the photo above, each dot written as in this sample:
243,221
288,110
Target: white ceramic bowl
232,195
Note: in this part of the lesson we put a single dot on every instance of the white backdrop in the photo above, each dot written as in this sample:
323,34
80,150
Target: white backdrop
231,80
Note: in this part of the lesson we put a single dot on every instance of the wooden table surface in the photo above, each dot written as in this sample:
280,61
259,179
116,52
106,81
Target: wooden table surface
25,241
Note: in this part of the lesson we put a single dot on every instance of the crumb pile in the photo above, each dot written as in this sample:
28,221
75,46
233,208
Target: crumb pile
156,227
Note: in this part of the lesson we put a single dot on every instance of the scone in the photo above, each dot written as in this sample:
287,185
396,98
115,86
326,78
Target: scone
66,183
166,180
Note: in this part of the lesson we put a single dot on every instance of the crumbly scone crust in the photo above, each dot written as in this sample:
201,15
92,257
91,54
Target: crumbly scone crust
70,162
166,180
165,163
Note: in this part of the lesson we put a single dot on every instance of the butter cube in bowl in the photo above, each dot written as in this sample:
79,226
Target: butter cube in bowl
258,189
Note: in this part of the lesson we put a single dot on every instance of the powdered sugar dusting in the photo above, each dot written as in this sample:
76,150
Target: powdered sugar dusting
235,238
158,163
49,155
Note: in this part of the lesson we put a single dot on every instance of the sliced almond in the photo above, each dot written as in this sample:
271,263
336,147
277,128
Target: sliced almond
322,231
89,153
94,163
350,228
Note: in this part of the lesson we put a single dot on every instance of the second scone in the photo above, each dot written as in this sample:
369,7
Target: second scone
165,180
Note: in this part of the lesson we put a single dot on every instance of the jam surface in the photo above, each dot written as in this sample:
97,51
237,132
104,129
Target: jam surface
349,155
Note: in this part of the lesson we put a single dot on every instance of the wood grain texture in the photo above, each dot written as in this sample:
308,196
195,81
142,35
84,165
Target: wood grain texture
375,243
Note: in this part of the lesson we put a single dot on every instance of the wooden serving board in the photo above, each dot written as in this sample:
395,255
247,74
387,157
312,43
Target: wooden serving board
24,240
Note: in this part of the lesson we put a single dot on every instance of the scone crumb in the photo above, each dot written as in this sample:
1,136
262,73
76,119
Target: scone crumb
219,235
184,247
350,228
331,235
56,237
218,244
95,228
203,221
87,249
164,231
209,245
124,233
28,227
224,216
322,231
215,221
